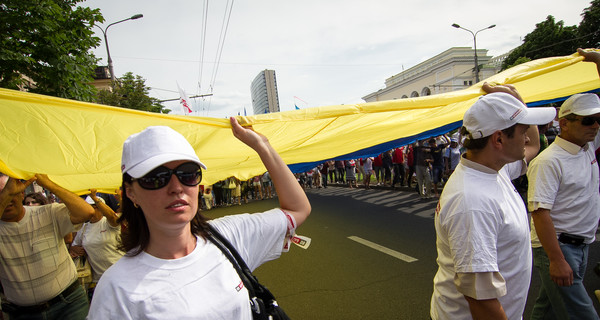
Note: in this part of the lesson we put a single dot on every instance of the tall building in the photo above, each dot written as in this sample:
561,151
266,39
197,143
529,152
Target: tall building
264,93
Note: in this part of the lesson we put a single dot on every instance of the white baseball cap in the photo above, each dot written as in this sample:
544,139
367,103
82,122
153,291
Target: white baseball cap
152,147
498,111
581,104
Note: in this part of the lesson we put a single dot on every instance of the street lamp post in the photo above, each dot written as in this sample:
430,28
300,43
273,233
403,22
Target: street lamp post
104,31
475,46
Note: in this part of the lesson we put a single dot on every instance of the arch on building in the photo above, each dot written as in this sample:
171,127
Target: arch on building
425,92
404,96
414,94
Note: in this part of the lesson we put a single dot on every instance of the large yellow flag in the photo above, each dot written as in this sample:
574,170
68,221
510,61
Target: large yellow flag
79,144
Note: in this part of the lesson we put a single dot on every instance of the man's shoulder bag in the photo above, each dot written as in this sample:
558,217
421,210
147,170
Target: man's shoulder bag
262,302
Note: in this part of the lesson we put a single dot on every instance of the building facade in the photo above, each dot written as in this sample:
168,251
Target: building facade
453,69
263,89
102,79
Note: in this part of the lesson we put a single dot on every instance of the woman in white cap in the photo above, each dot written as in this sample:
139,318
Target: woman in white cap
171,271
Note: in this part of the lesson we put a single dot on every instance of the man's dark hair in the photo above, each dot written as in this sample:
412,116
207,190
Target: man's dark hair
479,144
38,197
136,236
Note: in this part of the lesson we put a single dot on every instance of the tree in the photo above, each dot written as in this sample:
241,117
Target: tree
589,28
45,47
131,92
548,39
518,61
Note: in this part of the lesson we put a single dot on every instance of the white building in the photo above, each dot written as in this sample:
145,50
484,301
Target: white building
451,70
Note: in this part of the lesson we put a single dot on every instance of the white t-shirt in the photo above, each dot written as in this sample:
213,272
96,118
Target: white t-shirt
564,179
454,155
201,285
100,241
481,226
36,265
368,164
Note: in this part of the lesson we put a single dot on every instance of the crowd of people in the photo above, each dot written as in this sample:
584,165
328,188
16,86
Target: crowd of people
484,240
232,191
149,246
425,164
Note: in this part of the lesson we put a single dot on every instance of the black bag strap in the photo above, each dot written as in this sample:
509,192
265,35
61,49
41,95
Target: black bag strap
250,281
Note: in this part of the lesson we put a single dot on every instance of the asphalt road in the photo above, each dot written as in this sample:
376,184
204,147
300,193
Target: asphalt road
345,273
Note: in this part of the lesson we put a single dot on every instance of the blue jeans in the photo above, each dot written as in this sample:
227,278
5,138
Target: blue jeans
72,307
437,174
556,302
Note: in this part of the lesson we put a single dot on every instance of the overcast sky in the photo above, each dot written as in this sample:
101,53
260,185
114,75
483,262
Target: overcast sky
324,52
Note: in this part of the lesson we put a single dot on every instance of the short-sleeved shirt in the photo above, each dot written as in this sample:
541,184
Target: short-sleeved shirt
481,226
453,154
564,179
201,285
35,263
437,154
421,154
398,156
100,241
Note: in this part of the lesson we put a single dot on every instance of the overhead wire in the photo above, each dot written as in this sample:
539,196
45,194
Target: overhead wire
221,44
202,48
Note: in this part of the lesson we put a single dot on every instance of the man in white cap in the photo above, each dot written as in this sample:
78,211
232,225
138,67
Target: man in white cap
565,204
481,223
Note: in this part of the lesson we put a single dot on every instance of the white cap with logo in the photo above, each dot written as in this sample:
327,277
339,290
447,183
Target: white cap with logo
498,111
581,104
152,147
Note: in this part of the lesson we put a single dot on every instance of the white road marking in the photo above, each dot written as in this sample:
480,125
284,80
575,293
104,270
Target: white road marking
383,249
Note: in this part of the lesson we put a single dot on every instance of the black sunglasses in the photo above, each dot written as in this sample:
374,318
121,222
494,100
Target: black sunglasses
588,121
188,173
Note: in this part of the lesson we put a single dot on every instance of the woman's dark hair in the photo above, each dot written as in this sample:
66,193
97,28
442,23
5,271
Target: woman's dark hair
38,197
479,144
136,235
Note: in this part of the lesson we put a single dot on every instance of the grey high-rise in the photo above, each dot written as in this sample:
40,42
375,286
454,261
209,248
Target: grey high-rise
264,93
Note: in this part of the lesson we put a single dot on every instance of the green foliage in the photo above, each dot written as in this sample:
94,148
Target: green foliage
589,28
49,42
551,38
131,92
548,39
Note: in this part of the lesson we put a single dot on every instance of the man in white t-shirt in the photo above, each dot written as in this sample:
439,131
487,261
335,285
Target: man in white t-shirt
481,222
565,204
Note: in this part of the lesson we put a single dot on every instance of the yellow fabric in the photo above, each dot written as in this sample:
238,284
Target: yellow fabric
79,144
